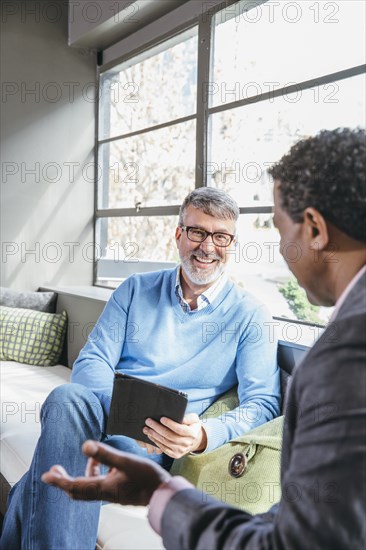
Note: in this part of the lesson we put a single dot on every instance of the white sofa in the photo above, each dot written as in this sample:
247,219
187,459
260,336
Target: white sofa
23,389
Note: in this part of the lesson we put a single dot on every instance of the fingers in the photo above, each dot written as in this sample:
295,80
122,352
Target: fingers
168,429
131,479
104,454
92,468
169,442
141,443
176,439
78,488
89,488
165,449
56,473
191,418
60,470
151,449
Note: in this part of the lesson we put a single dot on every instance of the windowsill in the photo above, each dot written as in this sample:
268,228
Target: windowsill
286,330
292,332
91,292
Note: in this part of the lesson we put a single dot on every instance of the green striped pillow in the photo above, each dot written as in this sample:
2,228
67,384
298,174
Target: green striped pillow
30,336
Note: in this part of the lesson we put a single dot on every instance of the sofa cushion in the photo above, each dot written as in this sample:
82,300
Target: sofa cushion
126,528
122,527
32,337
40,301
23,389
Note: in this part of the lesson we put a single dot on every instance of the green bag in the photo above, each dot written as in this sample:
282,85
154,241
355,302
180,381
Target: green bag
244,472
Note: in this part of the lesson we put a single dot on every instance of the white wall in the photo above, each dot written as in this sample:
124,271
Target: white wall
45,131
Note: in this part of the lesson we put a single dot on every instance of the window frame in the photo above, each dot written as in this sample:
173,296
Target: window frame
181,20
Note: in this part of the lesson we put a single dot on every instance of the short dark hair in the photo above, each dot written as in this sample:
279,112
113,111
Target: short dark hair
211,201
326,172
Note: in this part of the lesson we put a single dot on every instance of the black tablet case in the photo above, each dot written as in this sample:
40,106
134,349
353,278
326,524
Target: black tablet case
134,400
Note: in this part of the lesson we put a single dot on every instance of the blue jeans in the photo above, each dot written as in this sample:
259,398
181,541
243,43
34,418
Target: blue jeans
41,517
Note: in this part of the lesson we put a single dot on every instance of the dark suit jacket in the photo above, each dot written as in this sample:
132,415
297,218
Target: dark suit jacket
323,471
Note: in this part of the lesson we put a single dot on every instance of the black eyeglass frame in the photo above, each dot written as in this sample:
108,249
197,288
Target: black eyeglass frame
187,228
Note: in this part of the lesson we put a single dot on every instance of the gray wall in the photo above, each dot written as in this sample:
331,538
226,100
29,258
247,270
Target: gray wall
85,16
51,132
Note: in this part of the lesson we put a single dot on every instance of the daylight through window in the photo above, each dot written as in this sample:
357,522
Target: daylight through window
216,104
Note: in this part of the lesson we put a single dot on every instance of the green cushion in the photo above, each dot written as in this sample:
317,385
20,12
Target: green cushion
226,402
258,487
31,337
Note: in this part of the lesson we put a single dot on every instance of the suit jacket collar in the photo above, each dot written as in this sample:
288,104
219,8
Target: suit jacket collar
355,301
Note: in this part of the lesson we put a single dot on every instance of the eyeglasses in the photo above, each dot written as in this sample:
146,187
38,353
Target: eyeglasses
198,235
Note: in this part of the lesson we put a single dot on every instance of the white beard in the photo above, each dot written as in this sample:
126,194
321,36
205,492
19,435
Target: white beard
201,276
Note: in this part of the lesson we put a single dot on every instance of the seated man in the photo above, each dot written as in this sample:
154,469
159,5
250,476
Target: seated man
188,328
320,204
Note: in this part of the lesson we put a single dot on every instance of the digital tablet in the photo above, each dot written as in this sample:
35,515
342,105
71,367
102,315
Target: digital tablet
134,400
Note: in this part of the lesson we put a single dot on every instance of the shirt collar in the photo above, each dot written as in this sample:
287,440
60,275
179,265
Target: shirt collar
203,299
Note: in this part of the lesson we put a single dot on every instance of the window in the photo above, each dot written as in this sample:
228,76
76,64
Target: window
146,156
177,115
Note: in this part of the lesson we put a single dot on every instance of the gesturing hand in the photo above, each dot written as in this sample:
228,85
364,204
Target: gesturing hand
174,439
130,480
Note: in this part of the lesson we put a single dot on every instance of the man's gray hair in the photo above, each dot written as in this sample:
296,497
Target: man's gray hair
211,201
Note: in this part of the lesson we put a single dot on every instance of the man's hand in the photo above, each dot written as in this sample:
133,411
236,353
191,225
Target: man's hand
130,480
177,440
151,449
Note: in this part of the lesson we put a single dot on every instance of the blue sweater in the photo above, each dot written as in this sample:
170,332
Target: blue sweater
144,332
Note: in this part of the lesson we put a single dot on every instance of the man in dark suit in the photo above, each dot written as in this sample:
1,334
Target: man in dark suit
320,204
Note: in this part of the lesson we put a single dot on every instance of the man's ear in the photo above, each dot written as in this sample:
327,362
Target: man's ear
178,234
316,229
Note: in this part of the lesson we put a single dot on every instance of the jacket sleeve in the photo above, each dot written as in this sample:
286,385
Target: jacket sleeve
323,466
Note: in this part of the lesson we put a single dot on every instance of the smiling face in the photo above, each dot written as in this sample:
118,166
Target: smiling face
202,263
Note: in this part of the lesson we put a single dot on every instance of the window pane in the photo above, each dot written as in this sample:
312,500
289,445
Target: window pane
245,141
154,168
138,238
125,243
277,43
157,89
134,244
257,265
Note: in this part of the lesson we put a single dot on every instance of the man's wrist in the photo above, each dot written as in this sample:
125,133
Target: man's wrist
157,480
202,446
161,496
